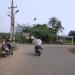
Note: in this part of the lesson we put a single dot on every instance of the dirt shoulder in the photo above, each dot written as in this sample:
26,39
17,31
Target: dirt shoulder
9,62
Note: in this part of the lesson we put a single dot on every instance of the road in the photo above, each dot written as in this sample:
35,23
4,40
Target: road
56,60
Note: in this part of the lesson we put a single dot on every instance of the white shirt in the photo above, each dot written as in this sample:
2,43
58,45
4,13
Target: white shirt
37,42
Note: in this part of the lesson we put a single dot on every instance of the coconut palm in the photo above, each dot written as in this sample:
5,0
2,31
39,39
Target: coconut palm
55,24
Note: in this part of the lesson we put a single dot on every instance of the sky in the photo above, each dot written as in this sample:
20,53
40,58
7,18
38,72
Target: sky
64,10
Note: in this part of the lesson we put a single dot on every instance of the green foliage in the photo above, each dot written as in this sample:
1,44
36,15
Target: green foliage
68,41
55,24
4,36
20,29
43,32
71,33
48,33
26,29
23,28
19,38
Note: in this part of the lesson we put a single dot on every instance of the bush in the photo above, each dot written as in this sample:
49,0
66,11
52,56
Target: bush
43,32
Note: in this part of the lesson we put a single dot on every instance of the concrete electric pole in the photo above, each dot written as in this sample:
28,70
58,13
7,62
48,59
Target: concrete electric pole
12,16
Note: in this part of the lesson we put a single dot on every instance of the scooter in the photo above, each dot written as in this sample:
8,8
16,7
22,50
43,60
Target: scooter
5,52
38,50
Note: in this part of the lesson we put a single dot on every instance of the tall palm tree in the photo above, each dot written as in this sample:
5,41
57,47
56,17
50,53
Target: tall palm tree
59,26
55,24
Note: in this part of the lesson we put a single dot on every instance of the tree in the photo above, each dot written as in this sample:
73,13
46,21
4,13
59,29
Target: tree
55,24
42,31
4,36
48,33
71,33
20,29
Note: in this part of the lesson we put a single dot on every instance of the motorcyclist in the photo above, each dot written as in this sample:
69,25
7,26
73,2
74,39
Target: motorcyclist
6,46
9,45
38,44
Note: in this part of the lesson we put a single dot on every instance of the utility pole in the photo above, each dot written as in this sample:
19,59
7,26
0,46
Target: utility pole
12,16
72,40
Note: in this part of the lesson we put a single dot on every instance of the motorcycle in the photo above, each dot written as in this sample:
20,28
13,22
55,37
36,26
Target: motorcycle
5,52
38,50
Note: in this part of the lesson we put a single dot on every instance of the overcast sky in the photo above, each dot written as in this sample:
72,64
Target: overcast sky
64,10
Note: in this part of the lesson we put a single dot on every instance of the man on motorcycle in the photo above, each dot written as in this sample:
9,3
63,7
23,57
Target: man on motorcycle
6,48
38,44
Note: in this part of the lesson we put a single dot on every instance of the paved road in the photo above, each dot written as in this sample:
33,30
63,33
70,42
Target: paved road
56,60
